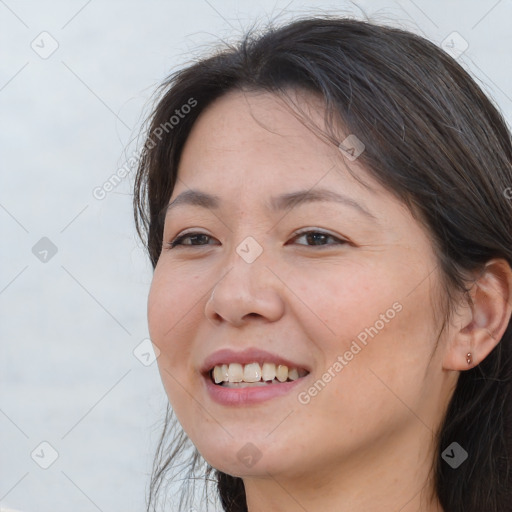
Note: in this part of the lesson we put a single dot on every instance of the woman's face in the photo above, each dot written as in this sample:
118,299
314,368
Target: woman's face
350,303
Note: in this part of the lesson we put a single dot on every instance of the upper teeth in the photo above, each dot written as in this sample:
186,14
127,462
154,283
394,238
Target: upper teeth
254,372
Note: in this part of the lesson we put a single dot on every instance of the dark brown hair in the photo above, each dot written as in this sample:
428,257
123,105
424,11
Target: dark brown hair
434,140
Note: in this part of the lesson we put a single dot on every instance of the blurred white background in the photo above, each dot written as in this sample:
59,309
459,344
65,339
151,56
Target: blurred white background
76,77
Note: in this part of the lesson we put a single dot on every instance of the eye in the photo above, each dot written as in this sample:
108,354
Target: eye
318,238
198,237
313,237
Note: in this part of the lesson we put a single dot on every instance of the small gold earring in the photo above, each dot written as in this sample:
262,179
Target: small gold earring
469,358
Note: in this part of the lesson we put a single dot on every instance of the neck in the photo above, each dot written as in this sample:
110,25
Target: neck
390,475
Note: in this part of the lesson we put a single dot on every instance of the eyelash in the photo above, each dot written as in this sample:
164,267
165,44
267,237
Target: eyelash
177,241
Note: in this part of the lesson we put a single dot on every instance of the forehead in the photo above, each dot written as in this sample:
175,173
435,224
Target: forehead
248,146
251,152
245,135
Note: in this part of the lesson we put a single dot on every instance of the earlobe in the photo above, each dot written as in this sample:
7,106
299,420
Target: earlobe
484,321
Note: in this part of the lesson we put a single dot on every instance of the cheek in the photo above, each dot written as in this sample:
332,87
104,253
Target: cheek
382,332
171,318
171,314
342,301
368,298
172,296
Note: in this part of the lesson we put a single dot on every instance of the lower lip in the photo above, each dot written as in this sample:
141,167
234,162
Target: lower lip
248,395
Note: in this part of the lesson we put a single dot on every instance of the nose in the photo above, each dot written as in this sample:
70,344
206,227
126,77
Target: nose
246,292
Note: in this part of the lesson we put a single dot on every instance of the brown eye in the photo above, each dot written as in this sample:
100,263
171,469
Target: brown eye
317,238
194,238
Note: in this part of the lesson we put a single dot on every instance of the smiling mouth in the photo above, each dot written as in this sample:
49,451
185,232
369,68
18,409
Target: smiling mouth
236,375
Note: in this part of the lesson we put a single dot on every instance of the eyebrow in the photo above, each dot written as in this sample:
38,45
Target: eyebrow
194,197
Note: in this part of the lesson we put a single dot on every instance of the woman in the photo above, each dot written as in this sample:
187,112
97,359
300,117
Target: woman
325,207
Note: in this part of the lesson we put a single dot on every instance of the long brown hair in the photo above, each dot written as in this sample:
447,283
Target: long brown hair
434,140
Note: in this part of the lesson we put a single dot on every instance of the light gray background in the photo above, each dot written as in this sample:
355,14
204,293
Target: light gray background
69,325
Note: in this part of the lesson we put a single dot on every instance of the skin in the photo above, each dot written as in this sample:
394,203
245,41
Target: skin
365,441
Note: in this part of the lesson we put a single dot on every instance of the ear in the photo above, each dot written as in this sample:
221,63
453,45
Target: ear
479,326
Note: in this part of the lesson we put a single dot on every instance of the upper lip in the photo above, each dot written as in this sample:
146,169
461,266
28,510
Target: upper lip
247,356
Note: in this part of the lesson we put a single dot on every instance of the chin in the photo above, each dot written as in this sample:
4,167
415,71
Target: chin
243,469
241,457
